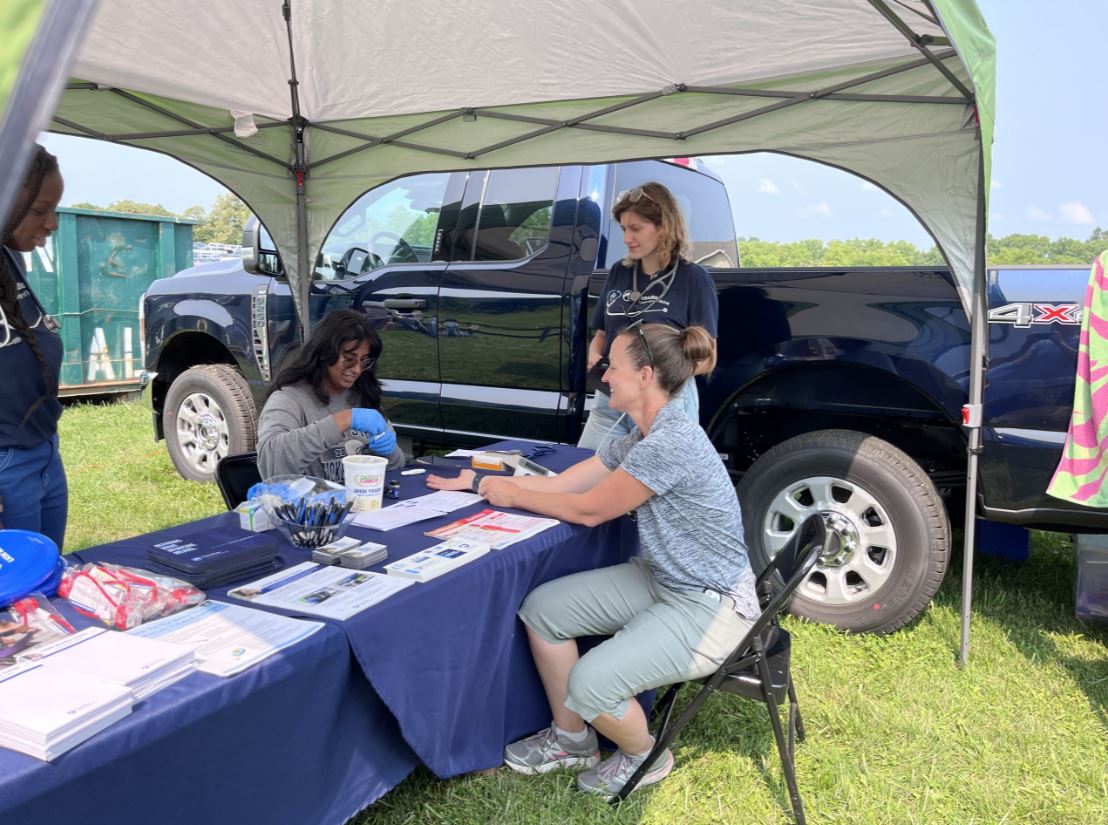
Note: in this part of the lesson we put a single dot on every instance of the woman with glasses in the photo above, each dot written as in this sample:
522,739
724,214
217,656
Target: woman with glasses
654,284
33,490
325,404
673,613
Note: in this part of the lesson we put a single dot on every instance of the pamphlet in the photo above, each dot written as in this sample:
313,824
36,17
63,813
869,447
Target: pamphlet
497,529
321,590
142,665
447,501
396,515
416,509
228,638
434,561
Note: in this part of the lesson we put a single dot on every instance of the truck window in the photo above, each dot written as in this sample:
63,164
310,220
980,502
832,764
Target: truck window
392,224
514,218
703,200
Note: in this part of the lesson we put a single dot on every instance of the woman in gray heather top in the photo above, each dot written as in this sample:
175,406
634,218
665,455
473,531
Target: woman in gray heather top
675,612
325,404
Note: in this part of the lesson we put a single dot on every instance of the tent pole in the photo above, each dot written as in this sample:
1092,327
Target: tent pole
302,287
977,369
38,83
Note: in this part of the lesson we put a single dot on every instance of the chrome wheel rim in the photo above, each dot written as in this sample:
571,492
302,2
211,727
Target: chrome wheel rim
202,432
852,569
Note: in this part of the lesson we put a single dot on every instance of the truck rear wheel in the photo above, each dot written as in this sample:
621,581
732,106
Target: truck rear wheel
209,413
893,529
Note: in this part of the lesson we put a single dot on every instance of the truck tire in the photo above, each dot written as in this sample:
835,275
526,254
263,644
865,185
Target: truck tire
893,528
209,413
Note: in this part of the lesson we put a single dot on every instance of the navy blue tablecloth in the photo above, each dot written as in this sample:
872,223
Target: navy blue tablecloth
296,739
449,658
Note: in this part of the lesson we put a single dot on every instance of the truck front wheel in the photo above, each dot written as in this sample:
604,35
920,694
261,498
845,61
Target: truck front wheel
209,413
893,529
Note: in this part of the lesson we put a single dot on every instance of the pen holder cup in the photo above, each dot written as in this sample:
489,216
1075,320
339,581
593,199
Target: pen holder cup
312,536
311,502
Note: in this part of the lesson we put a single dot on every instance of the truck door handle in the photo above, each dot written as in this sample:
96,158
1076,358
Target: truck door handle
405,303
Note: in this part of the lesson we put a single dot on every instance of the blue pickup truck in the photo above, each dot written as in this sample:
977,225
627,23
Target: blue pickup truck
838,391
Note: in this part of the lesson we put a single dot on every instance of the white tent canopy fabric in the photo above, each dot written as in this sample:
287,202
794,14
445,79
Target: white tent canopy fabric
403,86
300,106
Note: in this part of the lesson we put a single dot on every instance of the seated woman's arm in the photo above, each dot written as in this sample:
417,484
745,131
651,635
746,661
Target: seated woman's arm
584,475
618,493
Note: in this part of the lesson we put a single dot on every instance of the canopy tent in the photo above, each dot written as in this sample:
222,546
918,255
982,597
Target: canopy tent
299,107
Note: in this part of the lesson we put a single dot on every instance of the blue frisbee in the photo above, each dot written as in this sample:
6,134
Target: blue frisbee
29,563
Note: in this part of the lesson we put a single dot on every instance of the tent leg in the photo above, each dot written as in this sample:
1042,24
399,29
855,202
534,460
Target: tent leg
978,365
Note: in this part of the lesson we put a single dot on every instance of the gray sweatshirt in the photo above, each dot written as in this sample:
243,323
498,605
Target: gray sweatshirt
297,434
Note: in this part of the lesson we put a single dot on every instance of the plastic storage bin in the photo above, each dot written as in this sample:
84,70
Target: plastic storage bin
1090,585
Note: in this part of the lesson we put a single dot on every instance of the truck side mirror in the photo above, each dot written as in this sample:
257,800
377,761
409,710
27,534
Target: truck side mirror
256,259
250,240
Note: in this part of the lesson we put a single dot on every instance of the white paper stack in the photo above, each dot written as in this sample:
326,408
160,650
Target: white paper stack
434,561
45,712
143,665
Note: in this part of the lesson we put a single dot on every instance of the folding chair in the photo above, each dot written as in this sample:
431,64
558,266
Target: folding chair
234,475
759,666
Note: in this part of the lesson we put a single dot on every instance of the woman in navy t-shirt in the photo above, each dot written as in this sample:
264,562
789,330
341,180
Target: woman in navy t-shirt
33,491
654,284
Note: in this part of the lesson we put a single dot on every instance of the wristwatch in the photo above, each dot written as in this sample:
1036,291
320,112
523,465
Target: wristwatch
475,485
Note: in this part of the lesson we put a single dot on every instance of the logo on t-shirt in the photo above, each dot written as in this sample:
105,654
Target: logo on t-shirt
36,318
620,303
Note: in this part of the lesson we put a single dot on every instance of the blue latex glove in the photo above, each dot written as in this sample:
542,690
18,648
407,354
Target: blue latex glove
383,444
366,421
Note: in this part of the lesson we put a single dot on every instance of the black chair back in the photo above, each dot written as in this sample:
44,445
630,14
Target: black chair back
795,562
235,475
782,566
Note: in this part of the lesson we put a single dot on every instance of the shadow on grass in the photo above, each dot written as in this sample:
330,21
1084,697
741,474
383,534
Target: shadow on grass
1034,602
725,724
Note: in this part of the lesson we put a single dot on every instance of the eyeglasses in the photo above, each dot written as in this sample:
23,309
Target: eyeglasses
634,195
350,359
645,346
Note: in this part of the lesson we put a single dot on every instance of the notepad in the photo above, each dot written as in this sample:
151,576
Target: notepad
45,712
142,665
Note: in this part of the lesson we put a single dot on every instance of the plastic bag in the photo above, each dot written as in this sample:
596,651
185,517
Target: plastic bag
125,597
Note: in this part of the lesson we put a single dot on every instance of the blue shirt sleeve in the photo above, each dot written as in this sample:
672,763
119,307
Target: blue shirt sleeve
703,300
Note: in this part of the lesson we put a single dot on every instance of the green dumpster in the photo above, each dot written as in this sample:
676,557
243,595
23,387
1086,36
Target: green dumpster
91,276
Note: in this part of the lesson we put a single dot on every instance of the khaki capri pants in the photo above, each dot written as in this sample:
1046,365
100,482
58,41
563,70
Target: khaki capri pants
661,636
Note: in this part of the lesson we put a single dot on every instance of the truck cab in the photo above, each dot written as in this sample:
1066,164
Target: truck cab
478,283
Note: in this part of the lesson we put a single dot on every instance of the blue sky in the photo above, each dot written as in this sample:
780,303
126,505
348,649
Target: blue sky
1050,168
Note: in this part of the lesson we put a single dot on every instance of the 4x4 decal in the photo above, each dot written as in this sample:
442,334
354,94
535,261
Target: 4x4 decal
1026,314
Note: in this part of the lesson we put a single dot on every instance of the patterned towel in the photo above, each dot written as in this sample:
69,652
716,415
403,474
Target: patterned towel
1084,466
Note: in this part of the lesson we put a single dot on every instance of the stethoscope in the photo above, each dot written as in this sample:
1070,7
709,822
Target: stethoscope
665,280
43,319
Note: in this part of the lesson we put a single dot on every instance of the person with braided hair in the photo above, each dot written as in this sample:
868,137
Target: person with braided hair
33,490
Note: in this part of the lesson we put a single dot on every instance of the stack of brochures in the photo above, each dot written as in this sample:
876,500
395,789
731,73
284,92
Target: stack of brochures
45,712
141,665
497,529
434,561
213,557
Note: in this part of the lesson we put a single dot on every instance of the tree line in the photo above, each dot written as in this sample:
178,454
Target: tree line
1010,249
223,223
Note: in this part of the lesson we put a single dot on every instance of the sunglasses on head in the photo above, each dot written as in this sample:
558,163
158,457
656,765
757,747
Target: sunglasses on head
634,195
645,346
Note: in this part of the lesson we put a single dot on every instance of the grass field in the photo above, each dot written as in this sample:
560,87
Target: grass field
897,733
